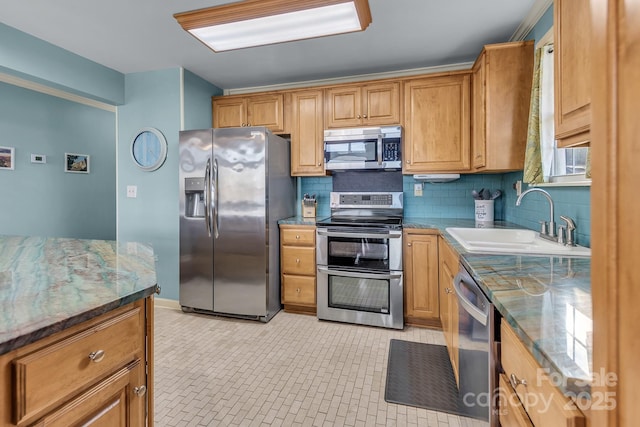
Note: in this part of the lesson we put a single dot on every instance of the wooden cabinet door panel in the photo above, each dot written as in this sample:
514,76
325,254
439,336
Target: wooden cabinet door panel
478,114
437,125
307,133
421,273
381,104
572,78
266,111
110,403
344,107
229,113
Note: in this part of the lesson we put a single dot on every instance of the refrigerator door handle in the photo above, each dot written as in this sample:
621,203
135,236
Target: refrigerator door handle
207,197
216,224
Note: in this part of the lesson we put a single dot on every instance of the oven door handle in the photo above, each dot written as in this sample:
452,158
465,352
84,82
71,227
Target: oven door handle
468,306
358,275
360,235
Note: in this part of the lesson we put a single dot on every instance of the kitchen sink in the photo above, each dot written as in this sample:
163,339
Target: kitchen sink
512,241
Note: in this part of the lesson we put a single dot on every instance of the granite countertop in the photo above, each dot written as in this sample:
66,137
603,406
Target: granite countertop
545,299
50,284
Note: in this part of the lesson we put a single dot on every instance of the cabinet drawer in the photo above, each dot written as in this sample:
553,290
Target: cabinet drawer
543,401
53,374
298,290
112,402
298,236
511,411
300,261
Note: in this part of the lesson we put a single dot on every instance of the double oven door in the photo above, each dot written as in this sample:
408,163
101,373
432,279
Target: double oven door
359,276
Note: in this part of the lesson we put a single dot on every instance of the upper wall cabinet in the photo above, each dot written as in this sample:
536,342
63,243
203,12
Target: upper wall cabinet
307,132
572,79
436,124
258,110
363,105
500,97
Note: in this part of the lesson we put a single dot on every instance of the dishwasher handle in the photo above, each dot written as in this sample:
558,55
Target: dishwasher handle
469,307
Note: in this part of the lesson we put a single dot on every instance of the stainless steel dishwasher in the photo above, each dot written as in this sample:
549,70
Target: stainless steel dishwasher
477,358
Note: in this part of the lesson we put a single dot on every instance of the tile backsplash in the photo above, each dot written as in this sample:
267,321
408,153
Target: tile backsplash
454,200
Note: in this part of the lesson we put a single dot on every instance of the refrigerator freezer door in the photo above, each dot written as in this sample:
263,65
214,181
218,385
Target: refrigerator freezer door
240,248
196,243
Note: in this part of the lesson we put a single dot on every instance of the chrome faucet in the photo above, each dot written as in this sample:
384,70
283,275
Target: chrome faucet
547,232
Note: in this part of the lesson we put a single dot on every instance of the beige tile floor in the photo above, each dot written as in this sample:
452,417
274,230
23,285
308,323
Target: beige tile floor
293,371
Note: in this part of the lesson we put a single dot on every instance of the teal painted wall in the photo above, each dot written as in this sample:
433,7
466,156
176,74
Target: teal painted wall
197,101
27,57
152,100
41,199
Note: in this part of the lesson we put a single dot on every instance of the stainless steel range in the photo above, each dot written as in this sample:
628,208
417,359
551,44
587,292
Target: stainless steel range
359,258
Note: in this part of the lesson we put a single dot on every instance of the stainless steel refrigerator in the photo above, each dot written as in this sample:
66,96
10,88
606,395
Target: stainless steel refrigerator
235,185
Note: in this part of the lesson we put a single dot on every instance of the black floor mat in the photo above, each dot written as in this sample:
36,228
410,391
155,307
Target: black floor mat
421,375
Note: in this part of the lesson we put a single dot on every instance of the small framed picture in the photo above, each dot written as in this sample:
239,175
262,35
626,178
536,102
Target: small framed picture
7,158
76,163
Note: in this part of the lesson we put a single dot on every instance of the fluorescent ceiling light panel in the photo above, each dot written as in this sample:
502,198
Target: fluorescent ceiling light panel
288,21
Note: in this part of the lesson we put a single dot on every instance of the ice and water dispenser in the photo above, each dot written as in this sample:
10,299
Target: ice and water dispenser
194,192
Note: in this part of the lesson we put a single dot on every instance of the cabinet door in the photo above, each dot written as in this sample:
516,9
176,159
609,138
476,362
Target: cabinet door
421,277
478,114
437,124
344,106
307,133
229,112
119,400
266,110
448,301
381,104
500,98
572,79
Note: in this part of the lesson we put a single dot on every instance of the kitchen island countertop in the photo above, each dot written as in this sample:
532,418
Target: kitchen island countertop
545,299
50,284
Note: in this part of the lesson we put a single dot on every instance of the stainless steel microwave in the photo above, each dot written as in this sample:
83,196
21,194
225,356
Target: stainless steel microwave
363,148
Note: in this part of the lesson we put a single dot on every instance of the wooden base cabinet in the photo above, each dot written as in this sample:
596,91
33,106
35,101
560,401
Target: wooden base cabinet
544,404
421,300
97,373
449,302
298,268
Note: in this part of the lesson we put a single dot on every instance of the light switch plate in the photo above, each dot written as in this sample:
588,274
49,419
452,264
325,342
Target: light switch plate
132,191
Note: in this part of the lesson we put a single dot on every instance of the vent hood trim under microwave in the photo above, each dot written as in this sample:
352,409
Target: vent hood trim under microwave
437,178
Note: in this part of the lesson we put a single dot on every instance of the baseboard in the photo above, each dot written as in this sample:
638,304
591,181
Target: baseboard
167,303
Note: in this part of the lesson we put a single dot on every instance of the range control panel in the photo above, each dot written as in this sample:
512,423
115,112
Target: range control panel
366,200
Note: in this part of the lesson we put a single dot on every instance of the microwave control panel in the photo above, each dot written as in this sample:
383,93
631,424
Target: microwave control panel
391,150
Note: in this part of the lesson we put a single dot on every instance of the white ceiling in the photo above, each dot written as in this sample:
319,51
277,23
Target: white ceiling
142,35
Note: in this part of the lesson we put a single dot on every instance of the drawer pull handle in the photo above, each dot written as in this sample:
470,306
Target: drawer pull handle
515,382
140,391
447,290
297,260
97,356
297,237
298,290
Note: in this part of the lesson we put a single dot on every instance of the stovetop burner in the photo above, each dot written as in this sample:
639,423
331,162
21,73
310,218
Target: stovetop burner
361,221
